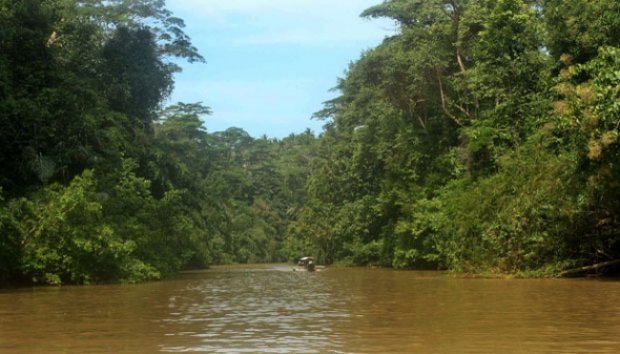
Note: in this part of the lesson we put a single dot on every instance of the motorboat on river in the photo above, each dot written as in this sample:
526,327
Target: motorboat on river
305,264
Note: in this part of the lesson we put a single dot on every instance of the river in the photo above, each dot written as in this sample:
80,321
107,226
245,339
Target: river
271,309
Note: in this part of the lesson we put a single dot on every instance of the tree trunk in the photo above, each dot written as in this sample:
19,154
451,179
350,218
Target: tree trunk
584,270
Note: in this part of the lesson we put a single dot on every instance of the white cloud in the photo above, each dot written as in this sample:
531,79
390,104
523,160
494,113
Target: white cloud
271,62
314,8
309,36
288,21
256,91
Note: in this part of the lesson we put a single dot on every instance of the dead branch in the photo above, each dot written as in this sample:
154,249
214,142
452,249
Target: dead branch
459,59
583,270
443,101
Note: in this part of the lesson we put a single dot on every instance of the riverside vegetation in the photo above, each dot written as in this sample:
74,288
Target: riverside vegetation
483,137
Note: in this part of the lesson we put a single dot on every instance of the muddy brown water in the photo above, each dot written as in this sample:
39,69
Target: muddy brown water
271,309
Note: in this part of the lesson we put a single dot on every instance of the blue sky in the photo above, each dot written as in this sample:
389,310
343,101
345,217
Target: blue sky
271,63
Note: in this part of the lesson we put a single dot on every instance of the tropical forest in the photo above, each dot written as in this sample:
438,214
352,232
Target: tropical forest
481,138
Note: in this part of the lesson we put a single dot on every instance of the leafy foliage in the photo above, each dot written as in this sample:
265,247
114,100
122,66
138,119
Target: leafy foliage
483,137
443,150
100,182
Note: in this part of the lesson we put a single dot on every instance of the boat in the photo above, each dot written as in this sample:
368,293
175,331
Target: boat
305,264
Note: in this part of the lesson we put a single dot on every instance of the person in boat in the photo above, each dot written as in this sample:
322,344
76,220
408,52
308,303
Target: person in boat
310,265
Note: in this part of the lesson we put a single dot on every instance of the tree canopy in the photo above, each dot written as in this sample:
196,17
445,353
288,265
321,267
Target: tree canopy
482,137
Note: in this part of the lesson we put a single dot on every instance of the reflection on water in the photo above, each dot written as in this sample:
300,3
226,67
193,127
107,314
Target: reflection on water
270,309
258,310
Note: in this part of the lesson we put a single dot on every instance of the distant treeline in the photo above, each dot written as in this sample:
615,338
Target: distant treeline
483,137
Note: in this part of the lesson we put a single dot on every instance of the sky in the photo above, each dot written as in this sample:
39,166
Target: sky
271,63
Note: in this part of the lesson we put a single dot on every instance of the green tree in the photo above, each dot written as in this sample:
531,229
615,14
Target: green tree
69,243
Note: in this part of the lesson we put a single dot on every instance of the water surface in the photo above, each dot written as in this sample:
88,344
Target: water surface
270,309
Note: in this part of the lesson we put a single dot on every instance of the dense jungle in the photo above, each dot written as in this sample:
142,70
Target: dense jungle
481,138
